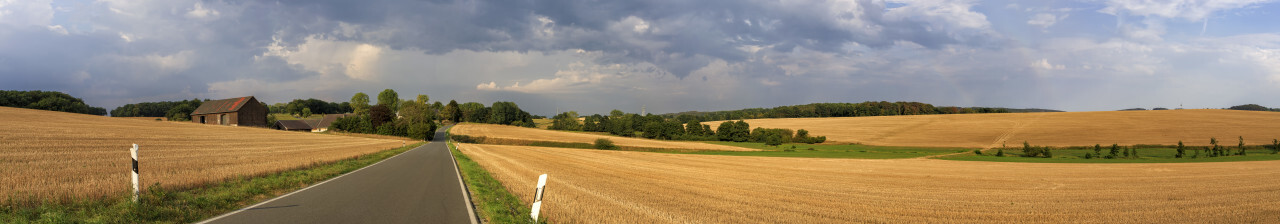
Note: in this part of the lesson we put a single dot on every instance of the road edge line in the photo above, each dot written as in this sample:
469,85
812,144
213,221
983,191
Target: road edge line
308,187
466,193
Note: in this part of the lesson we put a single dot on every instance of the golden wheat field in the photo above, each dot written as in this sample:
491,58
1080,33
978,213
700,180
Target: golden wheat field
597,186
534,134
55,155
1167,127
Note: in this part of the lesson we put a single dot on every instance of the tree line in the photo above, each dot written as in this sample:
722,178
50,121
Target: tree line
174,110
310,106
869,108
47,100
658,127
417,118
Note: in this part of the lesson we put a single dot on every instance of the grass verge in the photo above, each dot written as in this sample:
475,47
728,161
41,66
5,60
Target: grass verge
1145,155
160,205
492,200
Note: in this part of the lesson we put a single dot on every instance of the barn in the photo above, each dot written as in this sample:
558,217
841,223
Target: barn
240,111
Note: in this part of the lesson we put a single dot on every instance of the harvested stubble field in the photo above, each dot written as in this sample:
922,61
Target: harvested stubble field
59,156
1167,127
596,186
534,134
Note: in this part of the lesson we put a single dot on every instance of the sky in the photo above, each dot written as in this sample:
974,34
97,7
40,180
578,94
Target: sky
667,56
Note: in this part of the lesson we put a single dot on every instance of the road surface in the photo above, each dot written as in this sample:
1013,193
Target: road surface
418,186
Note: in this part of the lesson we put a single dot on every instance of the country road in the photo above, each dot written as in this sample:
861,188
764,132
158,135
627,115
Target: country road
418,186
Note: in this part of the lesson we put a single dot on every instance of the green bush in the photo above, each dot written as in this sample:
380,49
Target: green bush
605,144
1000,153
977,152
1088,156
422,131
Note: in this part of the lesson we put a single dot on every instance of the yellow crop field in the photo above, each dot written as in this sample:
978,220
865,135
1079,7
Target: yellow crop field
534,134
597,186
55,155
1167,127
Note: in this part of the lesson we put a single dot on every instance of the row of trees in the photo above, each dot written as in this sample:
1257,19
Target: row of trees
1253,107
47,100
391,116
310,106
174,110
870,108
658,127
417,118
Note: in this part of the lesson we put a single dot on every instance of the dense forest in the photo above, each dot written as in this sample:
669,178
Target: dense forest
1253,107
47,100
869,108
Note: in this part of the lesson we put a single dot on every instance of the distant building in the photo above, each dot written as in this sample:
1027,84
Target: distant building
292,125
240,111
313,125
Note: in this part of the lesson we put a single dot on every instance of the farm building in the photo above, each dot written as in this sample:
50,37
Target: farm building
313,125
292,125
240,111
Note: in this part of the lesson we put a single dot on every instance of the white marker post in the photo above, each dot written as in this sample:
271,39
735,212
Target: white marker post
537,196
134,153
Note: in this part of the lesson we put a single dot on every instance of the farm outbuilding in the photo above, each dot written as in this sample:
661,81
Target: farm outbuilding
292,125
240,111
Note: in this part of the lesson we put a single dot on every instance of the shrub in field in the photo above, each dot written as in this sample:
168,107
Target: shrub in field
1214,142
977,151
1241,146
1126,152
1088,155
773,140
1134,153
1028,151
467,138
1181,150
1275,146
1097,149
605,144
1000,153
1047,152
1115,151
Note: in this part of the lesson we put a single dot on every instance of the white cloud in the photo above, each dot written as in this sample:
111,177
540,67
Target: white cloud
1045,20
26,12
1192,10
1044,64
940,14
200,12
355,60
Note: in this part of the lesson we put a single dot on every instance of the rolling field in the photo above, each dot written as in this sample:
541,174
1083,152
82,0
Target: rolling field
1194,127
597,186
52,155
534,134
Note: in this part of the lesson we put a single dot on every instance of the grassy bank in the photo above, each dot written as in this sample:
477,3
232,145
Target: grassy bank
160,205
830,151
492,200
1145,155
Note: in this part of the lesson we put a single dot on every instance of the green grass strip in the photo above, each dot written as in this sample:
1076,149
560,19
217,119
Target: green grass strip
159,205
492,200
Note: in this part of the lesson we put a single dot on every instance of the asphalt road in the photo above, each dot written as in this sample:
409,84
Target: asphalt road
418,186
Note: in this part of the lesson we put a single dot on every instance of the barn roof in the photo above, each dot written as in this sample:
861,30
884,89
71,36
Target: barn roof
327,120
293,125
223,105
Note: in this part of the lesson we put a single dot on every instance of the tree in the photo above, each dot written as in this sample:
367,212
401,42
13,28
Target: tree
1115,151
423,99
181,112
565,121
773,140
412,112
452,112
1214,142
1241,147
390,99
379,115
423,131
1181,150
1275,146
1047,152
1253,107
306,112
292,109
1097,149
